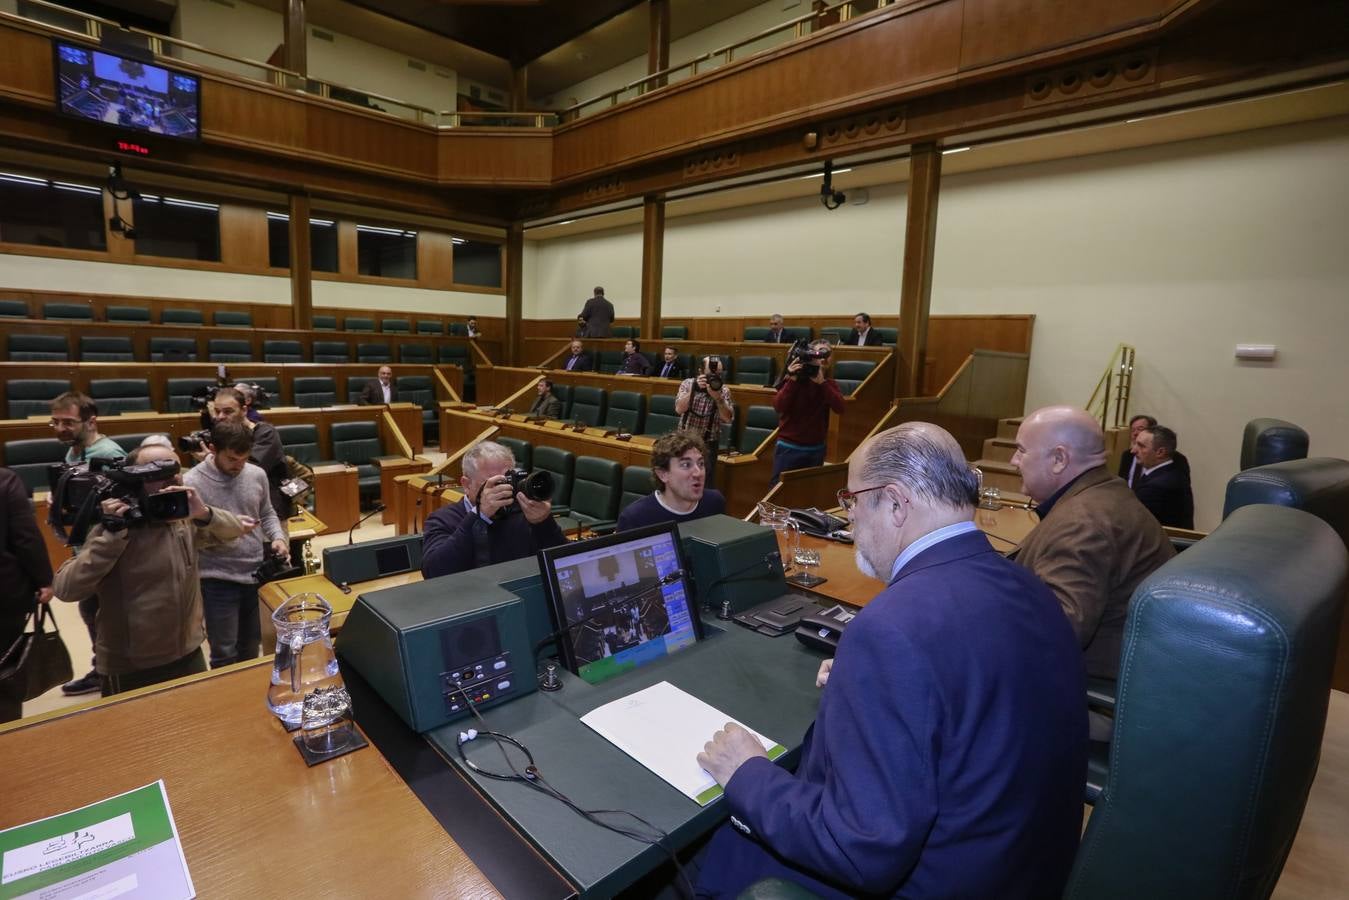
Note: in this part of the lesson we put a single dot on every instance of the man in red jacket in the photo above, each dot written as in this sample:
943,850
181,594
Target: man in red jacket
805,396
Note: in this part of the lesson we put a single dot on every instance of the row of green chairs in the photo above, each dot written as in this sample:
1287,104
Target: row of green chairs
587,491
98,348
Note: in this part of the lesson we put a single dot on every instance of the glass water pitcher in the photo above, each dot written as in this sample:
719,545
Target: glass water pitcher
304,655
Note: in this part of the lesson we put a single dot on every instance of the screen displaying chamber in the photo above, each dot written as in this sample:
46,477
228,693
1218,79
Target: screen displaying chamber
104,87
390,560
622,601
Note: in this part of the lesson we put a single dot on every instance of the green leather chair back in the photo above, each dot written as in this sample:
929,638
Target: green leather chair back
835,333
454,355
595,491
562,464
180,391
1319,486
355,385
118,395
522,450
759,424
358,323
796,333
415,354
637,483
610,361
30,459
674,332
26,397
373,353
314,391
587,404
1221,707
627,411
1268,441
229,351
563,393
849,373
38,348
128,314
396,326
168,349
106,349
67,311
14,309
458,329
358,443
754,370
234,318
430,328
622,331
181,317
888,335
660,416
331,352
324,323
756,333
300,441
282,351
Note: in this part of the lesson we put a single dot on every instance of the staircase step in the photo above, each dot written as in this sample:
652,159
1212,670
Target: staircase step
999,449
999,474
1007,428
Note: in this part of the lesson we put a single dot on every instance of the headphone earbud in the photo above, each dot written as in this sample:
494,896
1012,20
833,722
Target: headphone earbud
466,736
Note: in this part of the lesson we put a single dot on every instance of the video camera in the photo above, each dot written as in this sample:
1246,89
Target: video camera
79,489
810,359
274,568
195,442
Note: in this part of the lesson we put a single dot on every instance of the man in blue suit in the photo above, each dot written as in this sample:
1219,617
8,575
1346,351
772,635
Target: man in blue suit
948,756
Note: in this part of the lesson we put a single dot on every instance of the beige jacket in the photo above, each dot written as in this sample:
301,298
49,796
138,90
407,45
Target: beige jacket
1095,546
149,593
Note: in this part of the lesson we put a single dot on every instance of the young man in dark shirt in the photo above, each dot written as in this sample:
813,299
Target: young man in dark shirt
681,495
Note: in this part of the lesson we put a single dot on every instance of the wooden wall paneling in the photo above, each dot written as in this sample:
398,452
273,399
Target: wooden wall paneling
297,228
920,243
26,66
347,260
653,229
952,338
515,157
243,237
435,260
865,407
120,249
994,31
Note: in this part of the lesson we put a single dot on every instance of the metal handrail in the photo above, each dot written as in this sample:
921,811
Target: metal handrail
1115,384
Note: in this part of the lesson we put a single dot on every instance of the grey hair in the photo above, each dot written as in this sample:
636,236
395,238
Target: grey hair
151,440
483,452
915,455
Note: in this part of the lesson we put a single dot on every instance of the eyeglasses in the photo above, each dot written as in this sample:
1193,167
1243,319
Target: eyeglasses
848,499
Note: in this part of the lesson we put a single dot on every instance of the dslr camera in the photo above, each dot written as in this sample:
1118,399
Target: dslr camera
715,379
810,359
195,442
78,490
204,395
537,486
274,568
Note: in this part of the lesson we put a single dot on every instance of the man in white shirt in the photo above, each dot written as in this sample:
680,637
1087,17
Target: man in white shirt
862,334
380,391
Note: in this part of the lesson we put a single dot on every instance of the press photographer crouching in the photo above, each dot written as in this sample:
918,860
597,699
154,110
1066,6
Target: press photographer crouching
140,558
505,514
229,573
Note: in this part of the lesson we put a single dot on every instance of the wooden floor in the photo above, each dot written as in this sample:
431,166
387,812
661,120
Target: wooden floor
1318,866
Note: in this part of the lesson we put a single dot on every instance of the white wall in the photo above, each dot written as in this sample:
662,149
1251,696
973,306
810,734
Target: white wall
88,277
254,33
714,37
1183,250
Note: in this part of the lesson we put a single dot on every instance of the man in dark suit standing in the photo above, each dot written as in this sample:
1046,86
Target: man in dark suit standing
862,334
598,315
1127,464
577,360
1161,483
545,404
956,700
25,571
777,332
380,391
669,366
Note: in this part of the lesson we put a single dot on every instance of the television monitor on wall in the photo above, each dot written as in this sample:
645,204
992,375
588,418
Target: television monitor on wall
620,601
127,93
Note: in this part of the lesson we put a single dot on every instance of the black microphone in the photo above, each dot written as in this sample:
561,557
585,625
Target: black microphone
664,581
351,533
416,517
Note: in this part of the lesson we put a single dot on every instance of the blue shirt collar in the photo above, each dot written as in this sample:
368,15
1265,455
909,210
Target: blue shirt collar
928,540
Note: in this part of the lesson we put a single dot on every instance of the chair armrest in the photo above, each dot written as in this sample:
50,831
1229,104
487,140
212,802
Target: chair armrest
1101,693
776,889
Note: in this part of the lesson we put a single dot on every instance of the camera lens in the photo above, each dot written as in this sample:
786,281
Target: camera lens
538,486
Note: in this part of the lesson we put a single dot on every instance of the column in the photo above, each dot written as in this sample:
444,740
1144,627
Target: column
515,269
301,267
658,40
296,32
653,260
915,293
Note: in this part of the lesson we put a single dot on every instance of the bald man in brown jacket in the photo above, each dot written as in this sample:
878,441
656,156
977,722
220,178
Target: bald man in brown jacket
1095,541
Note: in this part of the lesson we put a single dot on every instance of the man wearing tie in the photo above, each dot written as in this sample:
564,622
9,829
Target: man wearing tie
777,334
670,367
578,360
862,334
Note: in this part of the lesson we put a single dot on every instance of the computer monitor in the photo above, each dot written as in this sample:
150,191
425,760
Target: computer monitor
620,601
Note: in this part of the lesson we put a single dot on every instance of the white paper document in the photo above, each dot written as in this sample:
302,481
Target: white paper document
664,729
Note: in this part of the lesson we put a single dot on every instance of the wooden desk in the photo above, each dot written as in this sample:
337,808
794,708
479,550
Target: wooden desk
274,593
304,525
254,820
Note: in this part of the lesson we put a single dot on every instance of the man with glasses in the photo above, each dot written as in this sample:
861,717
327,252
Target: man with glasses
75,422
950,747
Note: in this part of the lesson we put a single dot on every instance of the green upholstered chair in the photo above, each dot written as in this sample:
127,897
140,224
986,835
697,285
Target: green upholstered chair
324,323
562,465
68,311
331,352
30,459
797,332
358,323
300,441
314,391
358,443
522,450
453,355
661,417
419,390
610,361
627,411
118,395
458,329
1224,678
396,326
180,391
181,317
172,349
622,331
373,353
13,309
129,442
229,351
755,333
638,482
424,327
835,334
587,404
128,314
754,370
674,332
97,348
233,318
759,424
26,397
889,336
355,385
282,352
595,491
849,373
415,354
563,393
38,348
1268,441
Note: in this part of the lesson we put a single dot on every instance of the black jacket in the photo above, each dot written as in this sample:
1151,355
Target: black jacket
583,363
24,566
373,393
676,370
1167,495
873,338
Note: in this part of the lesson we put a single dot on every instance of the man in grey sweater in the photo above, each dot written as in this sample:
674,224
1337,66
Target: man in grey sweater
227,480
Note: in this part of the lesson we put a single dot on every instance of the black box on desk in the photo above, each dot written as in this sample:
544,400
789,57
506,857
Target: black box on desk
431,647
732,560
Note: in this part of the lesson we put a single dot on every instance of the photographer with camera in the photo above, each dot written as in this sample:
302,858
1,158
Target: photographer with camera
804,397
505,514
704,405
74,421
141,561
228,406
229,585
